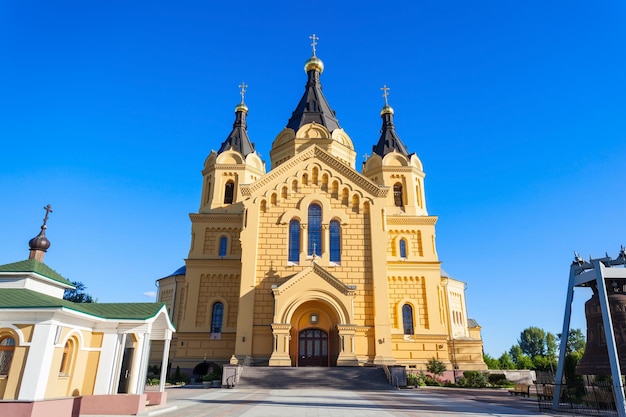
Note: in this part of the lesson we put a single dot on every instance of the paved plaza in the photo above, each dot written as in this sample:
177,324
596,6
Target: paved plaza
426,402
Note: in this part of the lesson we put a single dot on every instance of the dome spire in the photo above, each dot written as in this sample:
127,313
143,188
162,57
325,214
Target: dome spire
313,106
40,243
389,140
238,139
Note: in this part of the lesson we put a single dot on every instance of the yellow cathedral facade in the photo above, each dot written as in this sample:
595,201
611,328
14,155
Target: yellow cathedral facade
313,263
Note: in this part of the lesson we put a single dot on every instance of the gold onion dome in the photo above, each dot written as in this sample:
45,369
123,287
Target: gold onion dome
387,109
241,107
314,63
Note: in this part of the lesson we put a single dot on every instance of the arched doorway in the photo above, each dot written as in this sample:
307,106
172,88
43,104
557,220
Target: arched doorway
313,348
313,335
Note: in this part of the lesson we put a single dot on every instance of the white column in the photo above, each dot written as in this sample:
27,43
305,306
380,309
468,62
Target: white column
117,366
141,369
38,363
166,355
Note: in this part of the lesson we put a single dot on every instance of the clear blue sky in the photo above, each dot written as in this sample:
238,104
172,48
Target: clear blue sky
517,110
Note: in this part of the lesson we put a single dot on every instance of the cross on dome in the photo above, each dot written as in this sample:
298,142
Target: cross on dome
243,87
385,90
48,210
314,40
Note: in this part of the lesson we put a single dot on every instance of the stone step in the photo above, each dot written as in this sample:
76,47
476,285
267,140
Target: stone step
352,378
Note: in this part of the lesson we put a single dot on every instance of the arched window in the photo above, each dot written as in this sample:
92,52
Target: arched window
229,192
294,186
335,241
402,245
397,195
273,199
66,359
223,244
7,347
217,317
407,318
315,175
315,229
283,194
294,241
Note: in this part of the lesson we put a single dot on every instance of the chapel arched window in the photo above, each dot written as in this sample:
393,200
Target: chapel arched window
335,241
7,348
315,230
407,318
66,359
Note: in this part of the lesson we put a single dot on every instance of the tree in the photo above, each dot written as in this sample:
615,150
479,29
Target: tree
435,367
521,361
532,342
78,294
491,362
575,341
505,361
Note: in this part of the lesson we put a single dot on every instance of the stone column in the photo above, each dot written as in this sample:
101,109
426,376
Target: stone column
280,355
347,355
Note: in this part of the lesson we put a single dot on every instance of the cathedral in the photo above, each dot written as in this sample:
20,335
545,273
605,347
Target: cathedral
314,263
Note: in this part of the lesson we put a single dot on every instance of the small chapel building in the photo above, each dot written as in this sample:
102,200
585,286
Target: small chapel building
59,358
314,263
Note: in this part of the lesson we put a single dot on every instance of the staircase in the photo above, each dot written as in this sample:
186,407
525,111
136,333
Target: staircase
348,378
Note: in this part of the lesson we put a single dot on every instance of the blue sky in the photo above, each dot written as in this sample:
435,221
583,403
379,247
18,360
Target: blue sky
108,110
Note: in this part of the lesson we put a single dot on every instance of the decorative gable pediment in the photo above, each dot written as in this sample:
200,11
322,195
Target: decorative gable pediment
289,167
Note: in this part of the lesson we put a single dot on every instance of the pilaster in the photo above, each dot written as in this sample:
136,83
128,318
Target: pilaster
280,355
347,344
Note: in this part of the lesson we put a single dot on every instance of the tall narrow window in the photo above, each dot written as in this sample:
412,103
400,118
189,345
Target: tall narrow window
229,192
294,241
420,248
223,244
407,318
217,317
315,230
335,241
402,245
397,195
68,351
7,347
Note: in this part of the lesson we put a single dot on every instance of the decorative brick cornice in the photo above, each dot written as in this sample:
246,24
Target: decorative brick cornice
225,218
411,220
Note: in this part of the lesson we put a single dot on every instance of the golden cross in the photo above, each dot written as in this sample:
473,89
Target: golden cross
243,87
385,90
314,39
48,210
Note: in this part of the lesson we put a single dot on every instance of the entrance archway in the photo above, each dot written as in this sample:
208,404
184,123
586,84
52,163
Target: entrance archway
314,338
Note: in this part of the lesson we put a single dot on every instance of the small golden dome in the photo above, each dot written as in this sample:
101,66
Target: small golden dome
314,63
241,107
386,109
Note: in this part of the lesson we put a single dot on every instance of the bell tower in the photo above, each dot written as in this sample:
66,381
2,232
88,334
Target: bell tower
235,163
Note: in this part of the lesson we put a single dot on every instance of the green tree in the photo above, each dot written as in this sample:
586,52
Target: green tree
505,361
575,341
532,341
490,361
78,294
521,360
435,366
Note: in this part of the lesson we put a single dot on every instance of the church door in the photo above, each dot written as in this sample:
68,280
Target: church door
313,348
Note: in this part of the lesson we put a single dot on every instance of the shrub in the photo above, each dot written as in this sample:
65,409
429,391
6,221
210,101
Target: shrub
498,380
435,366
417,380
473,379
153,381
179,378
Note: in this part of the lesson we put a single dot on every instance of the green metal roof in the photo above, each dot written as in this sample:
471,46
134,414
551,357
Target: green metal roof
20,298
32,265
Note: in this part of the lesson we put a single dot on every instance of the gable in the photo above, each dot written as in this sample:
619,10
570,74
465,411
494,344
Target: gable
328,163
